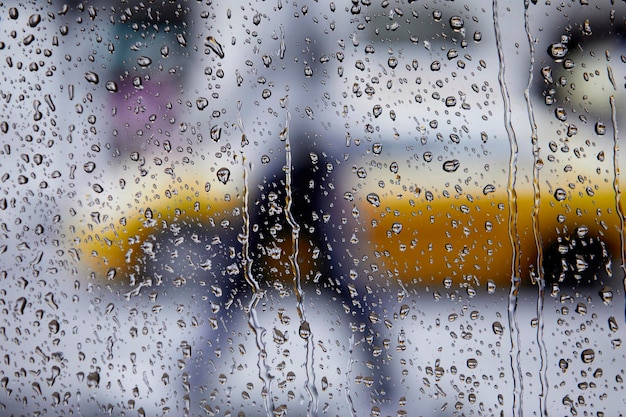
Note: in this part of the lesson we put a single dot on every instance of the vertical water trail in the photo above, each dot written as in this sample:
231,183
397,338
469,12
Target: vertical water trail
305,328
349,378
540,277
617,191
513,233
257,295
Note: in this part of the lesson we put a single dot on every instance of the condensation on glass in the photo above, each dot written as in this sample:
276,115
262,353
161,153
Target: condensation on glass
312,208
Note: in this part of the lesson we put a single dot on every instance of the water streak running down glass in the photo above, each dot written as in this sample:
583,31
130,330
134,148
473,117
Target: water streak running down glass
312,208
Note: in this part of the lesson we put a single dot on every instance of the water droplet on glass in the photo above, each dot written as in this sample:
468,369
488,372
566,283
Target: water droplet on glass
613,324
600,128
563,364
393,167
215,46
373,199
377,110
92,77
89,166
34,20
452,165
435,66
377,148
450,101
111,86
488,189
305,330
266,93
308,71
223,174
144,61
560,194
472,363
13,13
560,114
216,133
202,103
392,62
606,293
588,355
557,51
456,23
497,328
478,36
165,51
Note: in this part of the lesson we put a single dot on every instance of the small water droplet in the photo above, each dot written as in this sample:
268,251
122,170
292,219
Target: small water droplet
111,86
456,23
215,46
560,114
377,148
223,174
547,74
557,51
216,133
560,194
202,103
606,293
452,165
373,199
472,363
92,77
588,355
497,328
144,61
34,20
89,166
488,189
600,128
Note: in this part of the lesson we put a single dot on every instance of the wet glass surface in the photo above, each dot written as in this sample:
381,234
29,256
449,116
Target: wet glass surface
311,208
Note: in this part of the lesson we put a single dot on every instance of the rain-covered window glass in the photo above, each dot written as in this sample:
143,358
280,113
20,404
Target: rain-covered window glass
289,208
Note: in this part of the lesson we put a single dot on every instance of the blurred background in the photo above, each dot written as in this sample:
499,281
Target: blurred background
312,208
